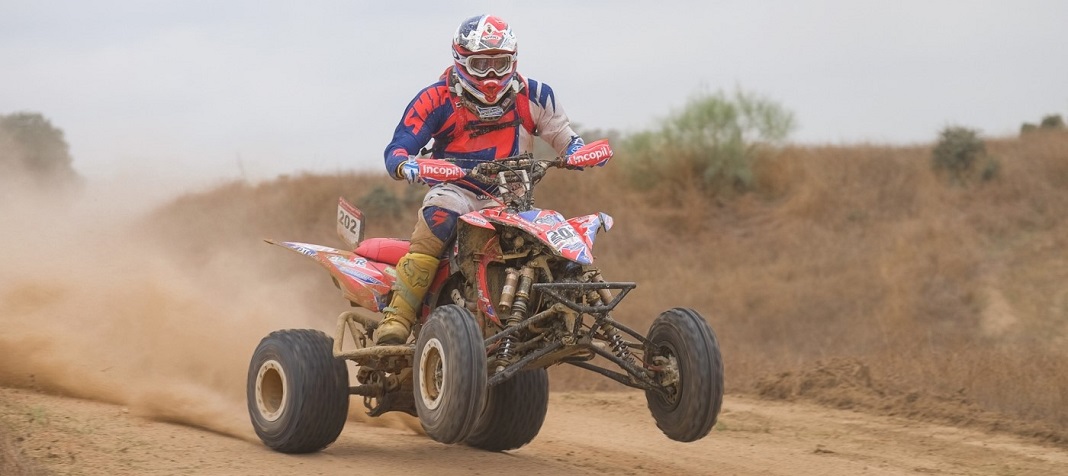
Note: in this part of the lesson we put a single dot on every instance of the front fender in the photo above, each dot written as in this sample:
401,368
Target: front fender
571,239
476,218
588,225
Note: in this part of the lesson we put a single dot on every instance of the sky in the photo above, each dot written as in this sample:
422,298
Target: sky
195,89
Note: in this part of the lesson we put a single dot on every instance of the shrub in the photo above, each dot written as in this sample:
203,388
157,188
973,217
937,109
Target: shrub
380,202
30,146
958,152
711,143
1052,121
384,202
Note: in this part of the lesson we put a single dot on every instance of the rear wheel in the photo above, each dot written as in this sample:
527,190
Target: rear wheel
515,410
450,374
297,392
684,349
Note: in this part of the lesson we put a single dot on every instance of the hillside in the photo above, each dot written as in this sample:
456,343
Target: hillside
853,277
946,299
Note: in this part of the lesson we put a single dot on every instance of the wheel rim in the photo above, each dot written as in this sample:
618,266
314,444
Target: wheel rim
671,376
271,394
432,372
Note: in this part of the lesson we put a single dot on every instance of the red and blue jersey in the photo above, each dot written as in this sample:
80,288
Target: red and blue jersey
436,113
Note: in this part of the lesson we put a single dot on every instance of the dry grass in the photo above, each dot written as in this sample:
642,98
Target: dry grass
942,294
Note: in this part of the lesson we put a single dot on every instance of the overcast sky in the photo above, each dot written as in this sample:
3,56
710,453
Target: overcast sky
254,89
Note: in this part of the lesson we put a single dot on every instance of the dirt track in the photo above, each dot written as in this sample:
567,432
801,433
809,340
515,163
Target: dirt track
585,433
129,319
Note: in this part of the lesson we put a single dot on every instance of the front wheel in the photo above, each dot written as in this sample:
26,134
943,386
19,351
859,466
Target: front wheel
450,374
298,393
685,353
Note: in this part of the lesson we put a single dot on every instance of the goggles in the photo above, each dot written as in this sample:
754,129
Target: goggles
482,65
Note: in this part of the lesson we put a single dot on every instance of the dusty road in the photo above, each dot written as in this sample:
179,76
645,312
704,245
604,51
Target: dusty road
585,433
122,321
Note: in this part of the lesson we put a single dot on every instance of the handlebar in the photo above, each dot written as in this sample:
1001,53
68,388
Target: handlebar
511,168
523,168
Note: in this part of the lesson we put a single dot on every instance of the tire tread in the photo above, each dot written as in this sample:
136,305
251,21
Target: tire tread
701,372
318,398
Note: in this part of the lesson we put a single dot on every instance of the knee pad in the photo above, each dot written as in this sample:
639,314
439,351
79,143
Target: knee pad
435,227
440,221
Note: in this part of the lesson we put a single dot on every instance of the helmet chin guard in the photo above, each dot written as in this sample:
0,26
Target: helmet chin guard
486,111
484,56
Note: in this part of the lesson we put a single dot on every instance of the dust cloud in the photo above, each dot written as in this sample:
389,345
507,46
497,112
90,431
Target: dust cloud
94,305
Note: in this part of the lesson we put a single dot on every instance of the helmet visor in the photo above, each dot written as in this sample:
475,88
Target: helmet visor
482,65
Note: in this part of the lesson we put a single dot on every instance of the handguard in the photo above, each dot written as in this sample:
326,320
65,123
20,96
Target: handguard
593,154
435,171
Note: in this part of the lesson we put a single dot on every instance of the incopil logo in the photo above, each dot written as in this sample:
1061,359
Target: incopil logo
593,156
443,172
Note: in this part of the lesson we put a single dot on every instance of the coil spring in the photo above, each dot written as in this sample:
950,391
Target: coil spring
519,312
507,348
506,351
619,346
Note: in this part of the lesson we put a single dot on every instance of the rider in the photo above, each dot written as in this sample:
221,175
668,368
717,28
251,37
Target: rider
479,110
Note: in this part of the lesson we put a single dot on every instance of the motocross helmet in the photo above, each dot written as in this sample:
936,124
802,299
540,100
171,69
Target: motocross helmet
484,53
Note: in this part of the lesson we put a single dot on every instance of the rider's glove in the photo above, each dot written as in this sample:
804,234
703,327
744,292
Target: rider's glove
574,146
409,170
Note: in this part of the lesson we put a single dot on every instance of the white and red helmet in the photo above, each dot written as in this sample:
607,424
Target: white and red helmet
484,51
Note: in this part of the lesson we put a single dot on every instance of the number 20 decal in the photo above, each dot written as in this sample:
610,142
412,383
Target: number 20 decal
557,237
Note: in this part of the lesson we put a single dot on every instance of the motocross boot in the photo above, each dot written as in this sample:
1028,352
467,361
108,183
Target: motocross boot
415,271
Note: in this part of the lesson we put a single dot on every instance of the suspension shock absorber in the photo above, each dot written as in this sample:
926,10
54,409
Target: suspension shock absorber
511,278
619,346
518,313
604,294
616,341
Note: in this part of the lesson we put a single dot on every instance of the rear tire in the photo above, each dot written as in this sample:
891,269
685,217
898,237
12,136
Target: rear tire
449,379
515,410
297,392
687,342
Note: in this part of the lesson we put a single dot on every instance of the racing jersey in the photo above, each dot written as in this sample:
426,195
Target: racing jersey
436,113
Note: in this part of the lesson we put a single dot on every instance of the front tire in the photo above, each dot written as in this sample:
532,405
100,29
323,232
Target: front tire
515,410
683,344
449,381
297,392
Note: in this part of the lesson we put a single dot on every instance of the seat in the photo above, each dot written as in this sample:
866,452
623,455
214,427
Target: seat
383,250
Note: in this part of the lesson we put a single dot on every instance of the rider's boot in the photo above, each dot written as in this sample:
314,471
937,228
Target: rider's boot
415,271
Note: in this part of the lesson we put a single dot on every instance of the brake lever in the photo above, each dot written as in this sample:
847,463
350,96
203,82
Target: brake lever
561,162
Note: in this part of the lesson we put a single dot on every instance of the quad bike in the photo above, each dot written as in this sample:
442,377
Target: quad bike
516,294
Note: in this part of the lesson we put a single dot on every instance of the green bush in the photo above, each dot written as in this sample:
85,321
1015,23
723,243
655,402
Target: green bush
1052,121
30,146
958,153
711,143
384,202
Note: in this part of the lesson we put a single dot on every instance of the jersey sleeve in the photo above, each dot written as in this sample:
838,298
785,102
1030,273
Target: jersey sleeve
550,121
421,119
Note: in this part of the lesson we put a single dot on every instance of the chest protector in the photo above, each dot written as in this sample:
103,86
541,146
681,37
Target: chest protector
470,119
